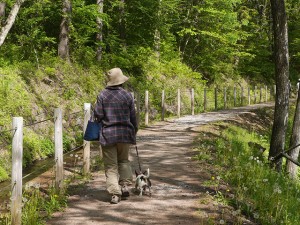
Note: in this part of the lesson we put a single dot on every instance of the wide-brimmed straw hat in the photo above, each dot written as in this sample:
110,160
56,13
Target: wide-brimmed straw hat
116,77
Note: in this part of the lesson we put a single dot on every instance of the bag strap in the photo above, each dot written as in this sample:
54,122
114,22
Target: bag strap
92,118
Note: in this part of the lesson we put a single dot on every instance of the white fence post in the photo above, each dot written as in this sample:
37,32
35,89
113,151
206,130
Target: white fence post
58,137
178,102
138,107
163,105
146,108
249,96
225,97
242,96
16,174
234,96
193,101
86,144
204,100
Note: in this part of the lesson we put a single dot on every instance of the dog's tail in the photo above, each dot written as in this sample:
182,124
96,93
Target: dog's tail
148,173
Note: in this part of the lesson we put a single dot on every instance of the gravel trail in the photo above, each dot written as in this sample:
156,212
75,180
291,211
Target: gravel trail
177,180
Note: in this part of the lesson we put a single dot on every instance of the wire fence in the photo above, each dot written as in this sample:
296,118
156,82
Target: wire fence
178,102
153,105
44,132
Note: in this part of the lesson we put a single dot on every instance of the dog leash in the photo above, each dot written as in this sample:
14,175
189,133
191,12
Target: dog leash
138,158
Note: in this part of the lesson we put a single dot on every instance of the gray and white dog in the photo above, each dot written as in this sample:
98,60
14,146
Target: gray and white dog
142,181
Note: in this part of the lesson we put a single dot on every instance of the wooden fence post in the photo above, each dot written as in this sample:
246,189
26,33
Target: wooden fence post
163,105
16,174
266,88
204,100
193,101
260,95
216,98
86,144
249,96
242,96
58,139
225,97
146,108
255,94
138,107
234,96
178,102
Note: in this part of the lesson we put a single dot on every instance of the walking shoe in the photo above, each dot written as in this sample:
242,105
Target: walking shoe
115,199
125,192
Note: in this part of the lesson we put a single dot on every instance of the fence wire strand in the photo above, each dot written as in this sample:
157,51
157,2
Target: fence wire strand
75,148
38,122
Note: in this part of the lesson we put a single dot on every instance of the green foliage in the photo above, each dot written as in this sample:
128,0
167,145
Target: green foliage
210,37
35,31
293,8
35,147
217,38
14,97
258,64
37,206
5,219
32,201
28,91
138,32
168,76
54,202
259,192
3,174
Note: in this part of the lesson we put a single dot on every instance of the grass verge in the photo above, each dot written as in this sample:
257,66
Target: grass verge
239,156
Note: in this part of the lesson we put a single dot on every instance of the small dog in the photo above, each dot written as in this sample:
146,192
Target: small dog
143,181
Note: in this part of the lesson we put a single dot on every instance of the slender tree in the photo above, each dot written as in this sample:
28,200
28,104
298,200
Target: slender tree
63,46
157,34
295,141
281,54
100,30
122,28
2,12
10,20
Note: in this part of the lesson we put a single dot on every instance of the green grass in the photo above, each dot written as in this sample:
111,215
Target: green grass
260,193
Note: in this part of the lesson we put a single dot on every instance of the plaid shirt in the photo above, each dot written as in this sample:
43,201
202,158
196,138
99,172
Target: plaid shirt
115,110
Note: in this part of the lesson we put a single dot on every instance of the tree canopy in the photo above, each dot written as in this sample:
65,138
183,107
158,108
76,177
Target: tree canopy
217,38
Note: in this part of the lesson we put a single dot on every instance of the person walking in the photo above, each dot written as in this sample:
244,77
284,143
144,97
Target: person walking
115,110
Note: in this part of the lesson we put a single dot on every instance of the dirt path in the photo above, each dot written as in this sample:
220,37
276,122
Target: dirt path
178,193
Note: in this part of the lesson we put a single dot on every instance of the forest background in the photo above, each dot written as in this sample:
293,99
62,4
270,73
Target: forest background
57,52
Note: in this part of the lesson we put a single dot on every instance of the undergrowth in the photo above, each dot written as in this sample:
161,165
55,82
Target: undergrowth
260,193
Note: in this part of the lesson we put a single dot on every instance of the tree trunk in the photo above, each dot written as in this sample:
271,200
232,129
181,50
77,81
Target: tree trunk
100,31
157,35
122,22
282,81
63,46
2,13
291,168
10,20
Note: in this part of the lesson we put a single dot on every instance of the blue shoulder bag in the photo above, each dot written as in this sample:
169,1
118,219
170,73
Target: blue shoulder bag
93,129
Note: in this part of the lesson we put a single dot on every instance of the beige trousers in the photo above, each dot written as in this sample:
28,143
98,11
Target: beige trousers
117,167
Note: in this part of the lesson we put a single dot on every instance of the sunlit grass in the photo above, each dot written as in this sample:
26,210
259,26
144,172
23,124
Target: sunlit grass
260,193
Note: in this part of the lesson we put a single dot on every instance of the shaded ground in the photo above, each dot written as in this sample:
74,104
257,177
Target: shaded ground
179,195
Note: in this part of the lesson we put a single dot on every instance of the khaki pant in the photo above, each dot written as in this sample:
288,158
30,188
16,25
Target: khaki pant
117,167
